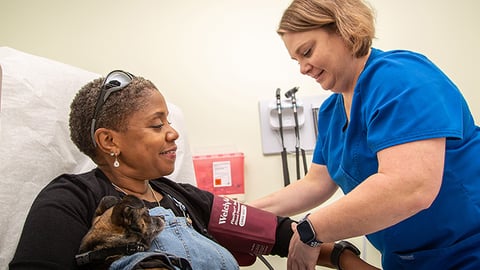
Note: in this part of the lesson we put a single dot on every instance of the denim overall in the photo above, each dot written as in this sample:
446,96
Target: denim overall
180,239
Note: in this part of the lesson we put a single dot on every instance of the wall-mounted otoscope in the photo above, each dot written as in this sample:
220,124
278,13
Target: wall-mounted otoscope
291,94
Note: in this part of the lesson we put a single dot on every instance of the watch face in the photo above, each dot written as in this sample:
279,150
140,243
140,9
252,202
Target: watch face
305,231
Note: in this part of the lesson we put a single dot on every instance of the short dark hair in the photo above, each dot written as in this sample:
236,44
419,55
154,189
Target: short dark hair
113,115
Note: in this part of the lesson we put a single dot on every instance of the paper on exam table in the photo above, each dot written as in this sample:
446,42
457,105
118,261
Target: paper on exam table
34,138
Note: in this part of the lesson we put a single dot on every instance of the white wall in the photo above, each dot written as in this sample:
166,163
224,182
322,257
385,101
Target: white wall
216,59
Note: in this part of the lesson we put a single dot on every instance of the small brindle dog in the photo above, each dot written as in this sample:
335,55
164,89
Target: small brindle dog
122,227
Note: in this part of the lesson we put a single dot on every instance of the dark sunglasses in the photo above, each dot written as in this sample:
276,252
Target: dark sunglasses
114,81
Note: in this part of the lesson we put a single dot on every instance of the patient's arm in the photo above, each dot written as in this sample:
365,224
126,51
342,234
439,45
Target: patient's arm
348,259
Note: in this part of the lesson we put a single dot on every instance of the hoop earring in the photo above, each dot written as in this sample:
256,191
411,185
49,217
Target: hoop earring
116,164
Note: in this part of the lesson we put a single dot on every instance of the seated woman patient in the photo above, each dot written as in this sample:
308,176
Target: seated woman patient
121,123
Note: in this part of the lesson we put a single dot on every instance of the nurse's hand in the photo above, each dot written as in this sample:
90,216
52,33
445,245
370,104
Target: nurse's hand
300,255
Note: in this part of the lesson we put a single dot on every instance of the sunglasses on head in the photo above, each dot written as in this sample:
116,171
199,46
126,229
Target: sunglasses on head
114,81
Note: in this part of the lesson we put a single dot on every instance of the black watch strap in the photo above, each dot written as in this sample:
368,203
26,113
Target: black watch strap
338,248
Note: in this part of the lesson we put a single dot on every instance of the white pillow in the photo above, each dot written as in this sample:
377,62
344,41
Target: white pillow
35,143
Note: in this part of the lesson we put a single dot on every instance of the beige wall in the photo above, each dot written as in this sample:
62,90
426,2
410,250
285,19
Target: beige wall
216,59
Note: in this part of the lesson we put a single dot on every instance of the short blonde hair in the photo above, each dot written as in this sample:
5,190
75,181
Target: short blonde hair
353,20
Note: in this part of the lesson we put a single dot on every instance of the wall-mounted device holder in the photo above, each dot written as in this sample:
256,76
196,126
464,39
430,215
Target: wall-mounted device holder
269,123
288,120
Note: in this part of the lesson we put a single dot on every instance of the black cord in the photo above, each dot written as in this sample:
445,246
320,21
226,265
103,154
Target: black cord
286,176
291,94
267,264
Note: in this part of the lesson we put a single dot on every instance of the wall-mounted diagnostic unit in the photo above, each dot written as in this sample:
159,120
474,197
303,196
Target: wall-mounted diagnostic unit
307,109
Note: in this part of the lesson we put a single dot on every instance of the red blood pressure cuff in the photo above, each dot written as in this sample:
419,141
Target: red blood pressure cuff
244,230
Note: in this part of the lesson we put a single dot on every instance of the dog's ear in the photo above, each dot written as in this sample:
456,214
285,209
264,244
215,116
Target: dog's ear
125,213
105,203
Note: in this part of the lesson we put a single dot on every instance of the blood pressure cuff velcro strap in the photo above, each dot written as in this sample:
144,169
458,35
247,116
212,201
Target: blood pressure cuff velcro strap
244,230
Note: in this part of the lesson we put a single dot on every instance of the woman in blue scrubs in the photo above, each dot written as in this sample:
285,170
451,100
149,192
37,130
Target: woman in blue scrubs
396,136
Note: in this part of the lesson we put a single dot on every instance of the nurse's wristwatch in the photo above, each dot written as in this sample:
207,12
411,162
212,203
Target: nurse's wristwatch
307,233
308,236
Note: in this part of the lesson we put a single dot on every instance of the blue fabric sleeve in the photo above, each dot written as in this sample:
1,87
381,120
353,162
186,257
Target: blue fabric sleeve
326,115
406,98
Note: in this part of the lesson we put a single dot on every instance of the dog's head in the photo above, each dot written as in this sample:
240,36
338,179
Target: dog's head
120,223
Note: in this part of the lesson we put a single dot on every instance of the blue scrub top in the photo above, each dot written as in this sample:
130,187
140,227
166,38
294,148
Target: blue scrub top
402,97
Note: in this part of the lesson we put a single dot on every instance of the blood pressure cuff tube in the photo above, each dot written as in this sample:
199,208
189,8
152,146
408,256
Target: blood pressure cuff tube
244,230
